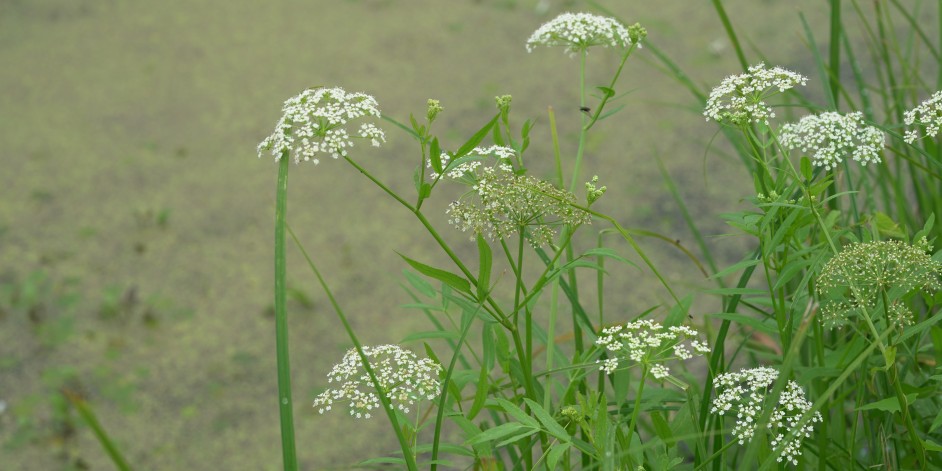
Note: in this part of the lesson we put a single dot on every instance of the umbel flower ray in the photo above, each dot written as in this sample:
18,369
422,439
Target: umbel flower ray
403,377
650,344
577,32
502,202
743,394
855,281
316,121
829,137
739,99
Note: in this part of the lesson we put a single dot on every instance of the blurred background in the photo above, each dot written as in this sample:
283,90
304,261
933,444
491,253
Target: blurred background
136,219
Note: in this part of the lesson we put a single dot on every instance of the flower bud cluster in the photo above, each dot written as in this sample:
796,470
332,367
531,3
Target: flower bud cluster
502,202
743,394
831,136
402,376
649,343
579,31
856,280
928,114
315,121
593,193
738,99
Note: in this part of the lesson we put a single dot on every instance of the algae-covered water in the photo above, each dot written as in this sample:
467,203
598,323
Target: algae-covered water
136,220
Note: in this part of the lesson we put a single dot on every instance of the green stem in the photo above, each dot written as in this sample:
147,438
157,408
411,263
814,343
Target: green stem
636,410
289,455
85,411
404,443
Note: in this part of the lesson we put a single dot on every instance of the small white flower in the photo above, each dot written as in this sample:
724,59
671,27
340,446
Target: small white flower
831,136
739,98
314,122
928,114
647,342
402,376
579,31
745,392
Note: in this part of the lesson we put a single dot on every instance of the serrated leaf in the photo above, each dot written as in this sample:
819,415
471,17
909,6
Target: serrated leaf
476,138
446,277
549,423
420,284
499,433
514,438
517,413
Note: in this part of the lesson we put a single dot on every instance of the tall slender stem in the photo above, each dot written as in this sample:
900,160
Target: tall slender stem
289,455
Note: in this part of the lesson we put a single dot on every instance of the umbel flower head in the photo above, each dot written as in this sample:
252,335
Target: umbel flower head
743,394
649,343
831,136
739,99
579,31
316,121
928,115
502,202
856,280
402,376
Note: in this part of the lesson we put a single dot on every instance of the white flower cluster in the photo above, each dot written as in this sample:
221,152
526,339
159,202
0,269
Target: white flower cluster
315,121
579,31
647,342
502,202
739,98
928,114
831,136
744,393
476,156
402,376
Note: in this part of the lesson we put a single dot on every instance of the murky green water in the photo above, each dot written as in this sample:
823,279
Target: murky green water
129,178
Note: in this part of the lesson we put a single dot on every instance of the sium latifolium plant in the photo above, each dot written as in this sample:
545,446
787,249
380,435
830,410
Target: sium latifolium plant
835,338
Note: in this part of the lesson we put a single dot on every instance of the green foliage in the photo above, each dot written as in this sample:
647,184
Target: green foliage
827,342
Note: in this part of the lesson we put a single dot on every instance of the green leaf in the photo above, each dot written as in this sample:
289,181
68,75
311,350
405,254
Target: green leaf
500,432
498,138
937,422
517,413
806,171
435,155
419,283
431,334
448,278
476,138
547,420
555,453
661,428
484,270
525,135
607,91
887,227
931,445
741,319
480,394
514,438
890,404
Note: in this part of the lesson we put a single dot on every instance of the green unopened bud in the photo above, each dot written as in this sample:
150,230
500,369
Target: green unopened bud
637,33
593,193
434,107
503,101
